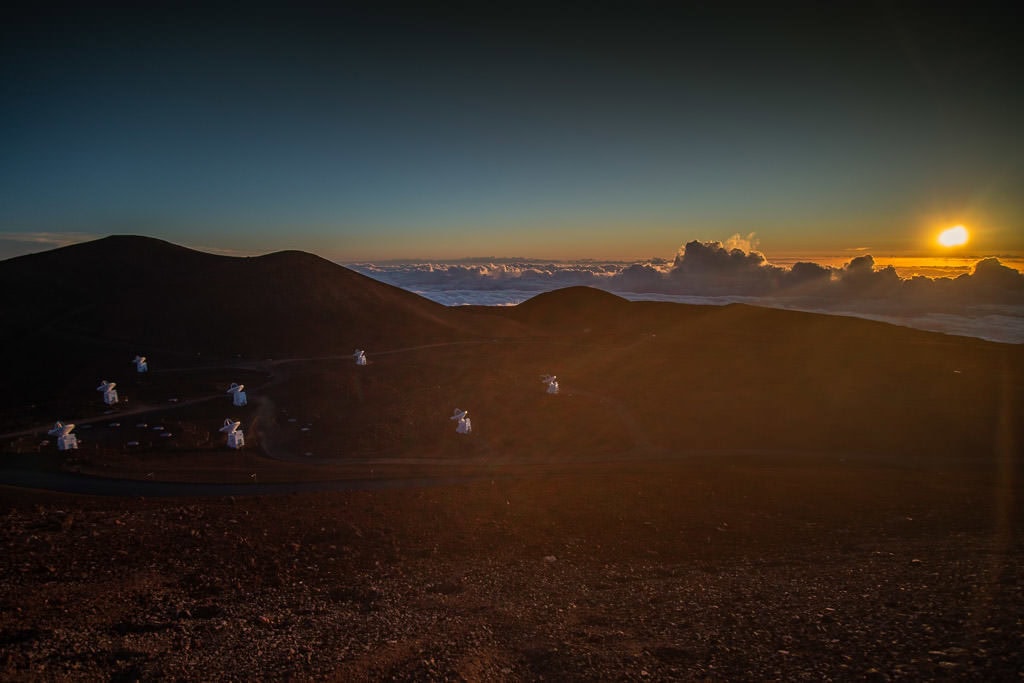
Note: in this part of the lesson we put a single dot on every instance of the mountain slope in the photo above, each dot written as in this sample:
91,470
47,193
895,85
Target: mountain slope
143,295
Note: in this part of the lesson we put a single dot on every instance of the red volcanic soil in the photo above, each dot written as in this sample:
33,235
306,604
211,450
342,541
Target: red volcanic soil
733,568
716,492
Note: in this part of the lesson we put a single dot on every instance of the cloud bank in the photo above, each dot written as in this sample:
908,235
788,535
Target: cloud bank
987,302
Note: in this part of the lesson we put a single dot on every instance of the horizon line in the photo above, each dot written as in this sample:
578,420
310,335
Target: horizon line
42,242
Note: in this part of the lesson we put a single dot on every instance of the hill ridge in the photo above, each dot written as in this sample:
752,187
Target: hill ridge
133,291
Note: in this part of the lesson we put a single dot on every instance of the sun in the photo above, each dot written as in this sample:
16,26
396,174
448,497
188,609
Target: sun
953,237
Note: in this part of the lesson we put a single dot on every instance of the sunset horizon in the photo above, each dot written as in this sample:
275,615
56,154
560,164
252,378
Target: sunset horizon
512,342
403,133
920,259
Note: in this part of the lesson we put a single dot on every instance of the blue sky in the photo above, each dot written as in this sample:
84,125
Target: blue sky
577,133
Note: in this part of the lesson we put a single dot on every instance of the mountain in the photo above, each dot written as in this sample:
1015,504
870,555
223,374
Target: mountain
646,376
740,376
74,315
145,295
595,311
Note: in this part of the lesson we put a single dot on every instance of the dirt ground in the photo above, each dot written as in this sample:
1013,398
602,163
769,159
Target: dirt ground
717,567
715,494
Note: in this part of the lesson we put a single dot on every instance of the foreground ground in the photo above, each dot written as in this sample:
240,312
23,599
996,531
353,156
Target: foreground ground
719,567
716,493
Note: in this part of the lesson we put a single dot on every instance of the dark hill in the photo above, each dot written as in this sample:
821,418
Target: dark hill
740,376
571,309
577,298
654,375
149,296
597,312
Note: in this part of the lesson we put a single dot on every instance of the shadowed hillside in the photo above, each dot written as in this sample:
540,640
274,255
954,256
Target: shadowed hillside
147,294
738,376
101,302
637,377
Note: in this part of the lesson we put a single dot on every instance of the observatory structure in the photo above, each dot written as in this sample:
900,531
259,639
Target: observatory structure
360,357
239,398
109,392
236,439
66,441
552,382
140,364
463,423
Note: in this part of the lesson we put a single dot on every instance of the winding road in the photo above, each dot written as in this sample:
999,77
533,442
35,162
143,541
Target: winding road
34,473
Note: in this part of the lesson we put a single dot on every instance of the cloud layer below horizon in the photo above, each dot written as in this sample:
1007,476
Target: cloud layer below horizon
987,303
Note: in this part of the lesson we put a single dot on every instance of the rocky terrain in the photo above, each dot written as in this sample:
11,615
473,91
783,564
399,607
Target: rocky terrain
716,493
716,568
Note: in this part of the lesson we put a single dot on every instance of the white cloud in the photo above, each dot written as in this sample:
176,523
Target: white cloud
1006,328
527,276
987,302
737,241
477,297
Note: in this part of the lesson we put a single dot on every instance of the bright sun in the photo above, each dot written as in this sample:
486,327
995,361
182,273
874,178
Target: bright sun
953,237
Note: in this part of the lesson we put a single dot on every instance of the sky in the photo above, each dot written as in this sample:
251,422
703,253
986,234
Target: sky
590,131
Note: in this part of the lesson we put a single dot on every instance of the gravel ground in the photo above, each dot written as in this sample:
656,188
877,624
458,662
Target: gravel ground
722,569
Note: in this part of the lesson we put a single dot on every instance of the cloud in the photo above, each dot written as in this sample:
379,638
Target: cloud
860,278
1007,328
804,275
737,241
477,297
534,277
992,280
987,302
712,268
